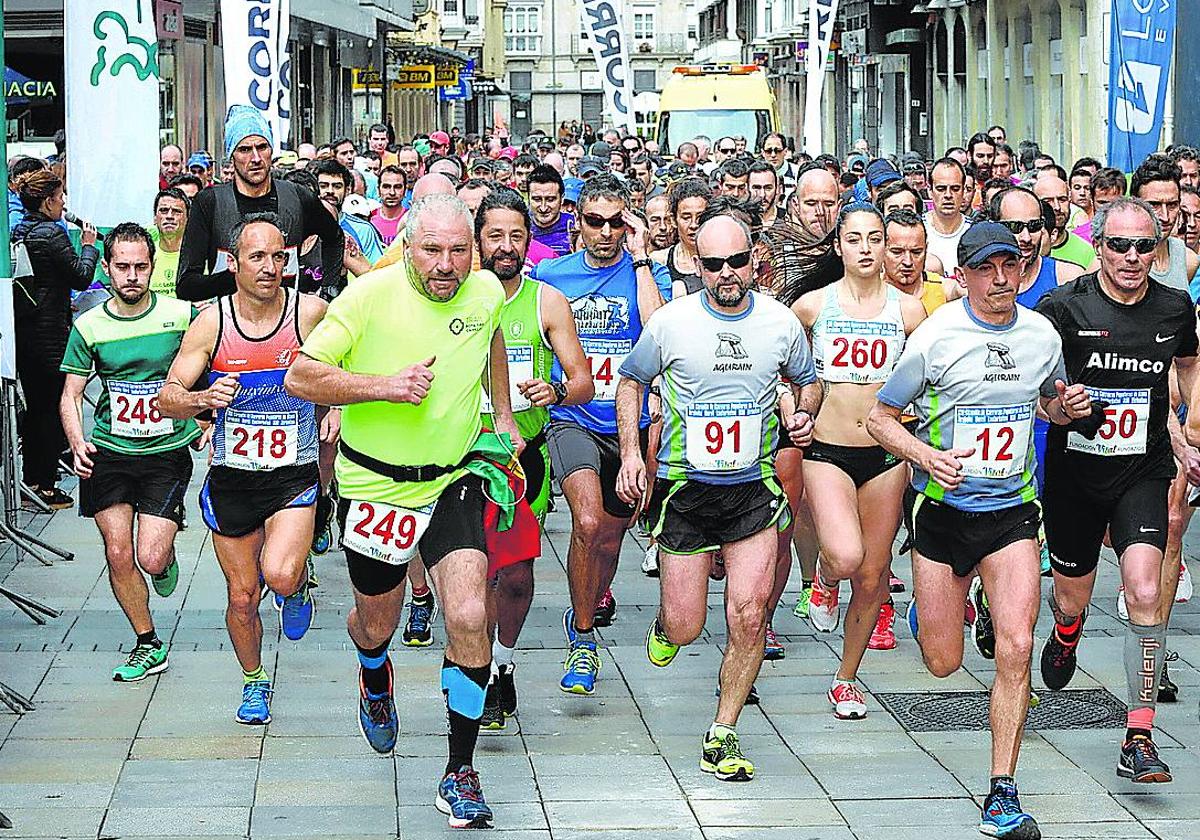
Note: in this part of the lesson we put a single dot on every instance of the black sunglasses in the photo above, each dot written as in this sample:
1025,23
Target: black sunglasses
1018,225
593,221
772,150
1122,244
714,264
727,150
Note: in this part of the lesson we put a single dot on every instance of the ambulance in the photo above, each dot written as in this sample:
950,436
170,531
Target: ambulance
716,100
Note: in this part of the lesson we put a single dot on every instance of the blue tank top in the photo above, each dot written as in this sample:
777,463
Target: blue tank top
1046,281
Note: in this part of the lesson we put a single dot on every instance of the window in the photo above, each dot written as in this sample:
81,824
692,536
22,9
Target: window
450,8
523,29
643,25
644,80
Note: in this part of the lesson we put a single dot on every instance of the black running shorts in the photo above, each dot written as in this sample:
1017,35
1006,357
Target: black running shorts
237,502
153,485
690,517
961,539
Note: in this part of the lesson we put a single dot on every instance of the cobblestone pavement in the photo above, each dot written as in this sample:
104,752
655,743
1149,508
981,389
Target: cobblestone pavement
165,758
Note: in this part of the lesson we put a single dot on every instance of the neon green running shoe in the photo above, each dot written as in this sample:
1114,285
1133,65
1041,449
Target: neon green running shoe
659,649
801,608
165,581
723,757
143,661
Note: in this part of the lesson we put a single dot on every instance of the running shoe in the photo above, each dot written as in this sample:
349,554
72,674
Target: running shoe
1044,559
1183,593
55,498
1058,658
460,798
1168,692
802,603
1139,762
722,756
1122,609
493,716
982,631
752,699
823,611
165,581
772,647
650,561
606,610
911,615
296,613
377,720
143,661
569,625
716,570
883,637
506,677
659,649
256,703
323,530
418,631
847,700
582,666
895,584
1034,699
1002,816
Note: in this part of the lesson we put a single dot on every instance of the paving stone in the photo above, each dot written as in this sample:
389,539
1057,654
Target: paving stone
174,822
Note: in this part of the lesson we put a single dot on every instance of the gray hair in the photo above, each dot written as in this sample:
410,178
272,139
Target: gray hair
1100,220
437,204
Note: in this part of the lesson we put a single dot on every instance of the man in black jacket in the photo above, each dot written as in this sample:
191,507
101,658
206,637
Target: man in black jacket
215,211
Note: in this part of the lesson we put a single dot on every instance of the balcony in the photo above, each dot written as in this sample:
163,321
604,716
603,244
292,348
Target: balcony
722,50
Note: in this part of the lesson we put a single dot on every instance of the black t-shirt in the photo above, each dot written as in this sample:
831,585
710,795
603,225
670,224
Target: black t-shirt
1125,350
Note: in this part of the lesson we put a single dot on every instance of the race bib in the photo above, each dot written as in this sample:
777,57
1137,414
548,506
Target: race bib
134,409
1126,421
858,351
290,269
998,434
520,369
604,357
723,437
385,532
260,440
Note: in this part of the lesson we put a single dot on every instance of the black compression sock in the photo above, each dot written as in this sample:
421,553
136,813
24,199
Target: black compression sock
464,689
374,662
149,638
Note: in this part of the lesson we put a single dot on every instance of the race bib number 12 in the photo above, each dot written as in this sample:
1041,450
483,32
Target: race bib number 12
998,434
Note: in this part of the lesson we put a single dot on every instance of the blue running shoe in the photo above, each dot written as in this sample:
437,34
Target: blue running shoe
377,718
418,632
460,798
1044,554
911,615
256,703
1002,815
569,625
582,666
296,612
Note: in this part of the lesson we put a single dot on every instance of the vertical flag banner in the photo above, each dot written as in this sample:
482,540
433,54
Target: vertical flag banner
257,66
606,33
821,16
1143,40
111,56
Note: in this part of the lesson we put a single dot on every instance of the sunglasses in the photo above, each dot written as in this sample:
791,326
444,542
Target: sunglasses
772,150
1015,226
714,264
1122,244
593,221
727,150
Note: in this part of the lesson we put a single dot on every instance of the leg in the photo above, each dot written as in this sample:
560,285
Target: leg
683,595
751,571
941,594
595,543
1179,513
238,558
513,595
284,553
155,543
836,519
128,585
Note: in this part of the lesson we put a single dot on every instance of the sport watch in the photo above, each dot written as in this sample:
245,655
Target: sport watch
560,392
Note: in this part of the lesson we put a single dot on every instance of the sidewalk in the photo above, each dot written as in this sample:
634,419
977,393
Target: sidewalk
164,757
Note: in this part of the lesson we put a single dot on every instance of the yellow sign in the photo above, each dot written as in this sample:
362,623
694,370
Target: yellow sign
415,76
366,77
446,75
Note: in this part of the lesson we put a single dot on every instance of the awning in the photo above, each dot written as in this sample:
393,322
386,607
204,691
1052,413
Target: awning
19,89
426,54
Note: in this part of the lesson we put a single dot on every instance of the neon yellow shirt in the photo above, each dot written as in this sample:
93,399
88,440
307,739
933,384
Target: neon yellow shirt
166,266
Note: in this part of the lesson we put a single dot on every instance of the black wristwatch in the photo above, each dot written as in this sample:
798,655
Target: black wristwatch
644,262
560,392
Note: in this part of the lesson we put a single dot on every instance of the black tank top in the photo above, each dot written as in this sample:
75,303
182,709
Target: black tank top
691,282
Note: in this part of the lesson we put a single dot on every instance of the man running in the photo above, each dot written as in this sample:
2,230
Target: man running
721,354
974,373
1121,332
137,465
946,224
259,497
404,349
170,218
613,287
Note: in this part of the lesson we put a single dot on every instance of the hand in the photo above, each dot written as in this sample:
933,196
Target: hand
636,235
82,453
1191,465
412,383
631,480
221,393
206,434
89,233
945,466
331,426
506,424
800,428
538,391
1073,399
654,406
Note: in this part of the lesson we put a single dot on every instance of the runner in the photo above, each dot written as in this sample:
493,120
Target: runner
136,465
613,287
946,224
974,373
538,329
1156,182
1064,246
414,470
260,494
716,489
858,326
687,198
170,218
551,226
1121,332
904,260
764,188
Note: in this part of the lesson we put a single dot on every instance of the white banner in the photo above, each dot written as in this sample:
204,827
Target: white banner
254,36
821,17
111,65
602,20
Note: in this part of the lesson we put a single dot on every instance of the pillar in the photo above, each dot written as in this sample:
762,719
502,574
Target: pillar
954,105
1071,80
1039,121
997,99
975,116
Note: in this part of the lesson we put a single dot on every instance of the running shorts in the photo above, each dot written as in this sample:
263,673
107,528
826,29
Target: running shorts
1076,521
573,448
237,502
535,463
860,463
961,539
690,517
153,485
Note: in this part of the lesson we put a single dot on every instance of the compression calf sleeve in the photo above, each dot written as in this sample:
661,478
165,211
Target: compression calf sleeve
1145,650
464,689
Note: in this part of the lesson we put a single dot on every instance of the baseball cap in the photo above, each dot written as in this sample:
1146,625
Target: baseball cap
285,159
439,138
601,149
857,160
422,147
481,163
983,240
359,205
571,188
678,170
508,153
590,165
880,172
200,158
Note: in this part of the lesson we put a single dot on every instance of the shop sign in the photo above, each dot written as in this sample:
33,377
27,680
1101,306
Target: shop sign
415,76
168,19
445,75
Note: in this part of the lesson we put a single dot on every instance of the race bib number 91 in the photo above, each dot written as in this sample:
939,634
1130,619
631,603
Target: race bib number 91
385,532
604,357
998,434
134,409
260,440
1126,421
723,437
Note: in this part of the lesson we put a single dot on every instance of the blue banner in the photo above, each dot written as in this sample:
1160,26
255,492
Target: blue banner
1143,40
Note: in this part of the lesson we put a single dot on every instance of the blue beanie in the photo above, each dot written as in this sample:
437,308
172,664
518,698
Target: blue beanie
245,121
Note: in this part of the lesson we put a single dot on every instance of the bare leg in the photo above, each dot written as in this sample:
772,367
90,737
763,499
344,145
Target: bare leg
513,595
116,529
595,543
238,558
940,596
155,543
461,579
751,570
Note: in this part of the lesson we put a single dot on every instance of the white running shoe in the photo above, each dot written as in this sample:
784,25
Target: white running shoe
847,700
650,561
1184,593
824,613
1122,610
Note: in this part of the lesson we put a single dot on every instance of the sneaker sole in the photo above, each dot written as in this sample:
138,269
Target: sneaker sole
363,730
417,643
1024,831
576,689
852,716
813,623
252,722
157,669
444,807
493,726
890,644
739,775
1154,777
773,655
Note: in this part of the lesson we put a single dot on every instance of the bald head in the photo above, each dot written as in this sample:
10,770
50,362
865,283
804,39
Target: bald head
1054,191
434,183
725,241
722,235
814,203
556,160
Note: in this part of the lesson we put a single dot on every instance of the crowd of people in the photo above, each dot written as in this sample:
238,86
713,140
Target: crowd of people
758,358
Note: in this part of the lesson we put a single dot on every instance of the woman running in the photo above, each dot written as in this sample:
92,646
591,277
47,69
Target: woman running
688,199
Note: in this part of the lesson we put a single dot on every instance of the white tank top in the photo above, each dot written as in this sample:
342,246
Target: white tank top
858,350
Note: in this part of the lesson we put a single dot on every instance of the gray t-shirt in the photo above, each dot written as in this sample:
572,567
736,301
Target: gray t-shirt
976,385
719,375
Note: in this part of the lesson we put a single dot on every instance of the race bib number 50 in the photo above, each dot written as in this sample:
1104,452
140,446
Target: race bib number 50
134,409
385,532
998,434
1126,421
723,437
